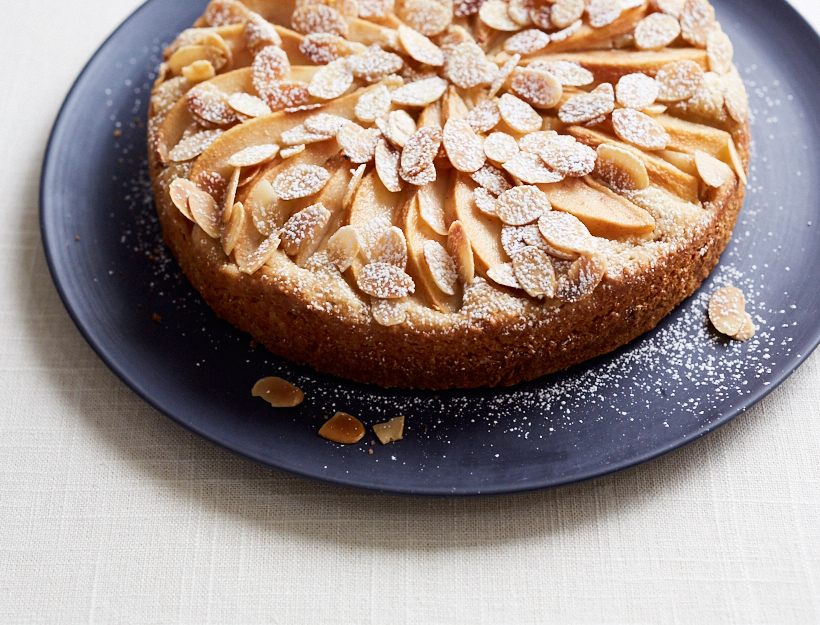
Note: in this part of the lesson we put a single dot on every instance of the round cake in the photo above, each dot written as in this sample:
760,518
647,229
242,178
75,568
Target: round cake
448,193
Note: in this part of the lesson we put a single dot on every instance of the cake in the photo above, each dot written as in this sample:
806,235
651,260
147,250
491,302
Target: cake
448,193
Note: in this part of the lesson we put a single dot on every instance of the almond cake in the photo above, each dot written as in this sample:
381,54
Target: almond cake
448,193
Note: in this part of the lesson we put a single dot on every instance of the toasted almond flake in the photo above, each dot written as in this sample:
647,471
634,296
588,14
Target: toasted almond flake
259,33
502,75
504,275
387,166
248,105
369,9
467,66
637,91
420,47
213,184
713,172
420,150
353,186
639,129
459,246
199,71
719,51
331,81
224,13
391,431
655,109
568,157
582,278
538,88
398,128
299,135
193,145
374,64
208,103
586,107
269,65
463,8
541,16
325,124
343,247
431,210
531,235
206,212
500,147
463,146
522,205
735,97
566,33
319,18
566,12
656,31
385,281
679,80
530,168
358,144
512,237
442,267
620,168
278,393
484,117
670,7
250,258
494,14
300,181
292,150
527,42
388,312
254,155
391,247
304,228
187,56
565,233
519,12
492,179
428,17
569,74
373,104
518,115
370,232
233,228
284,95
342,428
420,93
322,48
603,12
747,330
425,175
230,195
697,19
534,272
727,310
180,190
537,141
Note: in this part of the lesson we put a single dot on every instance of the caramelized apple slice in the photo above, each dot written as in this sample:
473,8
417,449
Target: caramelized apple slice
604,214
688,137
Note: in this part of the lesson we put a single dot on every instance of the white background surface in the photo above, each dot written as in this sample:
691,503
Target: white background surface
110,513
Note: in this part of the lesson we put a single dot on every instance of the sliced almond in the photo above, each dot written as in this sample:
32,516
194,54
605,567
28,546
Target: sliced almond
388,312
322,48
679,80
282,95
391,431
697,19
484,117
538,88
566,33
502,74
291,150
486,202
387,166
656,31
637,91
567,156
534,272
369,9
727,310
518,115
566,12
251,255
269,65
719,51
639,129
398,128
458,243
442,267
353,186
522,205
466,66
385,281
300,181
513,237
319,18
278,393
431,209
325,124
193,145
500,147
713,172
248,105
254,155
603,12
620,168
428,17
735,96
180,190
582,278
233,228
304,228
530,168
199,71
519,12
342,428
588,106
206,212
463,146
420,93
541,15
299,135
527,42
747,330
206,102
331,81
374,64
566,233
358,144
373,104
568,73
492,179
670,7
418,153
420,47
343,247
504,274
494,14
259,33
391,248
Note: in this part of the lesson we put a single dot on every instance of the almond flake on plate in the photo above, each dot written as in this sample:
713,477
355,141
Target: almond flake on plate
421,92
391,431
278,393
656,31
747,330
522,205
534,272
463,146
586,107
342,428
530,168
639,129
637,91
254,155
518,115
442,267
727,310
500,147
385,281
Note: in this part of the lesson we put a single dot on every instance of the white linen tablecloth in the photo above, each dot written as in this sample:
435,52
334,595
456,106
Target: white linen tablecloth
110,513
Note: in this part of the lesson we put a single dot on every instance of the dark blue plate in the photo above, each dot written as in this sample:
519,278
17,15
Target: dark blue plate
668,388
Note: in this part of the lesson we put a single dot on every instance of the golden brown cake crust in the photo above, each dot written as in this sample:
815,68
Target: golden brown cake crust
487,344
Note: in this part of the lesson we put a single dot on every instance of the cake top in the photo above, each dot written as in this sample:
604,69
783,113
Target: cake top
417,146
